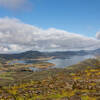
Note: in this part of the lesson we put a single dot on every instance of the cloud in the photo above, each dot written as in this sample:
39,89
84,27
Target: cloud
14,4
16,36
98,35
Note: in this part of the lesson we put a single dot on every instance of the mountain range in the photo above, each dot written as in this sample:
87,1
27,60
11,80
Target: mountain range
58,54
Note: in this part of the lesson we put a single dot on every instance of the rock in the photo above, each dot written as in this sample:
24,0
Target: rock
94,94
51,86
78,93
90,87
75,97
64,98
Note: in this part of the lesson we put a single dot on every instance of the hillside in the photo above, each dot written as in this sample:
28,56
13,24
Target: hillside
23,55
77,82
37,54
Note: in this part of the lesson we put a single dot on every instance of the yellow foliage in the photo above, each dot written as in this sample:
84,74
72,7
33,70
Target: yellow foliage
88,98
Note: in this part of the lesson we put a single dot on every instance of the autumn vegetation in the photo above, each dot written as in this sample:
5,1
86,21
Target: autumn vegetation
77,82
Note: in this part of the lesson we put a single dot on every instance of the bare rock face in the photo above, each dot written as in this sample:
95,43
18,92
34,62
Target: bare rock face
75,97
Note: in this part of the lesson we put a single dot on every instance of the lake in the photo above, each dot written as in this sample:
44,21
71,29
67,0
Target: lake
59,63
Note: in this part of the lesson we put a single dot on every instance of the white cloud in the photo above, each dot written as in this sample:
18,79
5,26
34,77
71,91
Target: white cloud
98,35
14,4
15,36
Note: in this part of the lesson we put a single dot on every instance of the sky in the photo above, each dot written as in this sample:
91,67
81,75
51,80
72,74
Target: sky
49,25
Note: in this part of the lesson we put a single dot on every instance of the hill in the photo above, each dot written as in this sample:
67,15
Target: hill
58,54
23,55
77,82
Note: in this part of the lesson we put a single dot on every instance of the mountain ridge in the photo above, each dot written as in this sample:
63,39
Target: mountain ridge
57,54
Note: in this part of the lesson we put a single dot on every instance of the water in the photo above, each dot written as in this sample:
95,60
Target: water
17,61
59,63
24,62
34,69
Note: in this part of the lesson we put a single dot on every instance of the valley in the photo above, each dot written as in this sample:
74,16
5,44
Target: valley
49,49
41,79
80,81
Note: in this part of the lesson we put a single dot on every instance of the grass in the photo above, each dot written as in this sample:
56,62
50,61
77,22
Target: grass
80,80
6,75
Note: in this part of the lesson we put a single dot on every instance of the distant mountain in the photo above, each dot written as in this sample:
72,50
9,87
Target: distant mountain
66,54
97,51
37,54
24,55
